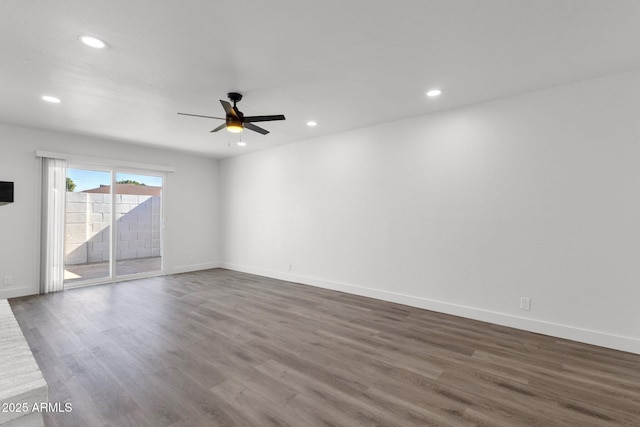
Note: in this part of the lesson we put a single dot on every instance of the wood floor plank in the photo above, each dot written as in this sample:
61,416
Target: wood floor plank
222,348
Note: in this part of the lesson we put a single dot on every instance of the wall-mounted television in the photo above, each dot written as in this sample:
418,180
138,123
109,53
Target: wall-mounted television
6,192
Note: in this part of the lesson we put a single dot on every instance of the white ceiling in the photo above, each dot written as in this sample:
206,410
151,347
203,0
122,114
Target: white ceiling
346,64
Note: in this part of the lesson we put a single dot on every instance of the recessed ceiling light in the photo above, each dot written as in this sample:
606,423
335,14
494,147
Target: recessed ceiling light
434,92
312,123
51,99
93,42
241,143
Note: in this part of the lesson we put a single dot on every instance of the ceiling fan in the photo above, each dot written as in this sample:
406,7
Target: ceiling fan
235,121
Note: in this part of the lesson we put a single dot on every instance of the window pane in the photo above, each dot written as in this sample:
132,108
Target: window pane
87,225
138,212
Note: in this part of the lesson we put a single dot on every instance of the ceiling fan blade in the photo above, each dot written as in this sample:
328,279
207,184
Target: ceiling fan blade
250,119
198,115
256,128
222,126
238,113
227,107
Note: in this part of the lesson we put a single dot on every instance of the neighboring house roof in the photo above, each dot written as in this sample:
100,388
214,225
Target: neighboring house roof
142,190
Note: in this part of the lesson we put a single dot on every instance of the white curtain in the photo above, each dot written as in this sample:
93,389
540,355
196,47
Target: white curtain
54,187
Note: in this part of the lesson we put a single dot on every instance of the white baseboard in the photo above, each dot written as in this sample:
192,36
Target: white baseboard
587,336
17,292
194,267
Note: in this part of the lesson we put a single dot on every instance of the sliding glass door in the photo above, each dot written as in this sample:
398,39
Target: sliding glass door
113,224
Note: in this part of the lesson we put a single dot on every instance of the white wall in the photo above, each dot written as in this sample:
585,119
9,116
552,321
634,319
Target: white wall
191,233
463,211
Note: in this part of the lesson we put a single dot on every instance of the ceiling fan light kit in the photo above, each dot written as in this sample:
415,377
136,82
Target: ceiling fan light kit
234,126
235,120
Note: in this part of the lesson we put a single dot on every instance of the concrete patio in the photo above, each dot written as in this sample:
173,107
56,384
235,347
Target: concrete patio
95,270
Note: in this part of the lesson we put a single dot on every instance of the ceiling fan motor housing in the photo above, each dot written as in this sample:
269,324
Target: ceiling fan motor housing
233,121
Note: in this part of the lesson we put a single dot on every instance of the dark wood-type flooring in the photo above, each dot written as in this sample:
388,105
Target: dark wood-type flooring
218,347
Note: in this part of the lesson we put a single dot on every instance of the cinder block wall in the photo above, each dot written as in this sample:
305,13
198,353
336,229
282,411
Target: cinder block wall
88,221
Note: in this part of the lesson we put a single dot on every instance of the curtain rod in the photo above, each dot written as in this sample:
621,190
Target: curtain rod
104,162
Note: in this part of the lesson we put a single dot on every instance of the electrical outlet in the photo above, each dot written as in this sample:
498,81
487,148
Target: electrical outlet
525,303
7,281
